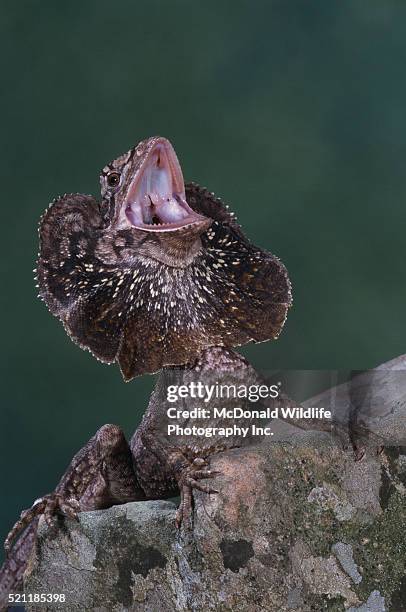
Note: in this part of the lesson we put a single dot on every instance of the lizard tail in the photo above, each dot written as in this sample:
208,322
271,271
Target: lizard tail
13,568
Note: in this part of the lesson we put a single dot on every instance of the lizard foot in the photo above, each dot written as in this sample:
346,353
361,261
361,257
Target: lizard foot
49,506
188,480
360,451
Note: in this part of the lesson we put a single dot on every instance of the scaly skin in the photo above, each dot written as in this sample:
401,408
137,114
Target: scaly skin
152,295
155,275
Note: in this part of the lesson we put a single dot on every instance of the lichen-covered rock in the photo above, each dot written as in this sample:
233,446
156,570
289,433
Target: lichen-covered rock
297,525
106,558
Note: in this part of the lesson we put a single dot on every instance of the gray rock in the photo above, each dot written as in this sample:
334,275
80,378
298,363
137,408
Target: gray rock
107,558
296,525
375,603
345,555
376,399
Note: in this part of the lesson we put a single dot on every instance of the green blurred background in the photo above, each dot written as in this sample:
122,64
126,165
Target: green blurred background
293,112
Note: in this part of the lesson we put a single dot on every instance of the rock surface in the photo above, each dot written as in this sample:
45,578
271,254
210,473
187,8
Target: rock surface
297,525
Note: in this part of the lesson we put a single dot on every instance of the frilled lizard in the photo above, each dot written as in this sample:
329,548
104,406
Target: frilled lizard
157,275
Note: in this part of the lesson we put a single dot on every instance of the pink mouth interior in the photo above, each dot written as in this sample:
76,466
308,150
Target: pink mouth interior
156,199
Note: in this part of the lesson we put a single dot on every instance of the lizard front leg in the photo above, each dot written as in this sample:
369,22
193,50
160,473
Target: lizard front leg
166,470
189,469
168,463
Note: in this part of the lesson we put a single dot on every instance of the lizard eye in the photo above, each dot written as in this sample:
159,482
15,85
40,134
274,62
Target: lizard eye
113,179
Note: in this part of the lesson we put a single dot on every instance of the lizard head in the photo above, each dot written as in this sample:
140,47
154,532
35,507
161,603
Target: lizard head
157,270
144,191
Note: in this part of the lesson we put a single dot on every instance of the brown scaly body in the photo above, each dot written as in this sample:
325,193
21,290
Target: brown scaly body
155,274
149,295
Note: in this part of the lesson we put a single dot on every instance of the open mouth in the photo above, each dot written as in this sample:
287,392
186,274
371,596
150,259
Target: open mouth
156,197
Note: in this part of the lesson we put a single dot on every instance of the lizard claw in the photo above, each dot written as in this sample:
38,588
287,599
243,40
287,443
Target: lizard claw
48,506
58,504
189,480
359,453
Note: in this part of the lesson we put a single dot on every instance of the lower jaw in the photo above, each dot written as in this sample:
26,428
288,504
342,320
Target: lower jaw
167,216
165,227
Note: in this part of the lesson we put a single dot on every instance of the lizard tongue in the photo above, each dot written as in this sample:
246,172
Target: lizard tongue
158,195
167,209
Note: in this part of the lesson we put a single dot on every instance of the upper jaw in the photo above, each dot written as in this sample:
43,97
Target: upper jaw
156,200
